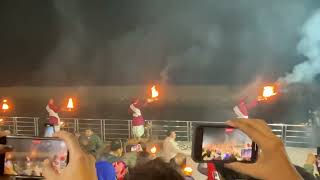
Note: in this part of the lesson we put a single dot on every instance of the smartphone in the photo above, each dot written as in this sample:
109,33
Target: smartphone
222,143
28,154
136,148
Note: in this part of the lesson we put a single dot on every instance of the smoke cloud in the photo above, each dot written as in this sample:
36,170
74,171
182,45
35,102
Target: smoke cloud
181,42
309,46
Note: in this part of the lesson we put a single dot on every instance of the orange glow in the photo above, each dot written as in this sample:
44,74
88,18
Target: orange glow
187,170
268,91
154,92
153,150
5,105
1,120
62,124
70,105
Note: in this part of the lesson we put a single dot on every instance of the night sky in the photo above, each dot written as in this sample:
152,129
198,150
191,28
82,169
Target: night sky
133,42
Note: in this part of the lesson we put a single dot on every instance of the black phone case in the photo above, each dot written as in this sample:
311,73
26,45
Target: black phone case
197,145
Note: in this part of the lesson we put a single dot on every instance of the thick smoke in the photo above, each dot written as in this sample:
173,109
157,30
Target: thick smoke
205,42
63,59
309,46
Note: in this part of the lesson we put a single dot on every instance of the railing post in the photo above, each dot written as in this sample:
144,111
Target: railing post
151,129
15,125
190,131
101,129
36,127
284,134
76,125
104,129
129,129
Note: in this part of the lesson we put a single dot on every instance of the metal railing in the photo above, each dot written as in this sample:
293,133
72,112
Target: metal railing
108,129
25,126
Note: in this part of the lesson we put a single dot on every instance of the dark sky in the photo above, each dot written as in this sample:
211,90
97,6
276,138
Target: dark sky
120,42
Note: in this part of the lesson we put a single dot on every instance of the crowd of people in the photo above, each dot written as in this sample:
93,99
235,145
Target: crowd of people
123,159
90,158
226,152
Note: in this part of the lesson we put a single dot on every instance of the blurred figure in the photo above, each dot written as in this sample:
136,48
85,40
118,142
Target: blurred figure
179,162
114,154
114,157
242,109
170,146
154,170
137,118
105,171
54,119
90,142
9,167
56,163
136,156
310,164
209,170
135,110
121,169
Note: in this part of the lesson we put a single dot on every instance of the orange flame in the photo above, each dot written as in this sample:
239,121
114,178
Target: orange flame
70,104
5,105
153,150
268,91
187,170
154,92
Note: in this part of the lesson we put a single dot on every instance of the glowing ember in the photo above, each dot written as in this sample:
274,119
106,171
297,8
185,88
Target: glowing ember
187,170
5,106
268,91
153,150
70,104
154,92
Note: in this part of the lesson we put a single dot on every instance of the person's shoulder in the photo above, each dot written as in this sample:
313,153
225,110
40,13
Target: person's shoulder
95,136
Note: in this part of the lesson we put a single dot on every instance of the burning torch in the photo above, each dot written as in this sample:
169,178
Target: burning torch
70,105
154,94
267,92
5,105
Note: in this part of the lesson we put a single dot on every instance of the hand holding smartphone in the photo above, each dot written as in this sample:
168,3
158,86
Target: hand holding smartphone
222,143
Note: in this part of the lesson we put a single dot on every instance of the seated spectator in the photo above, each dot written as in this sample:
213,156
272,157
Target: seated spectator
114,154
130,157
136,155
91,142
114,157
105,171
143,155
170,147
154,170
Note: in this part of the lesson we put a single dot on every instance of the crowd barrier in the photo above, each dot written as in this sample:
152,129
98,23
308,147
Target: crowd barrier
108,129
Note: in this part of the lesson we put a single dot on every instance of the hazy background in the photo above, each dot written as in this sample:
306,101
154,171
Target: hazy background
121,43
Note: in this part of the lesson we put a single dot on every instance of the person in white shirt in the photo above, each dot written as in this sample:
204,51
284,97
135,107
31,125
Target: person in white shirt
170,147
